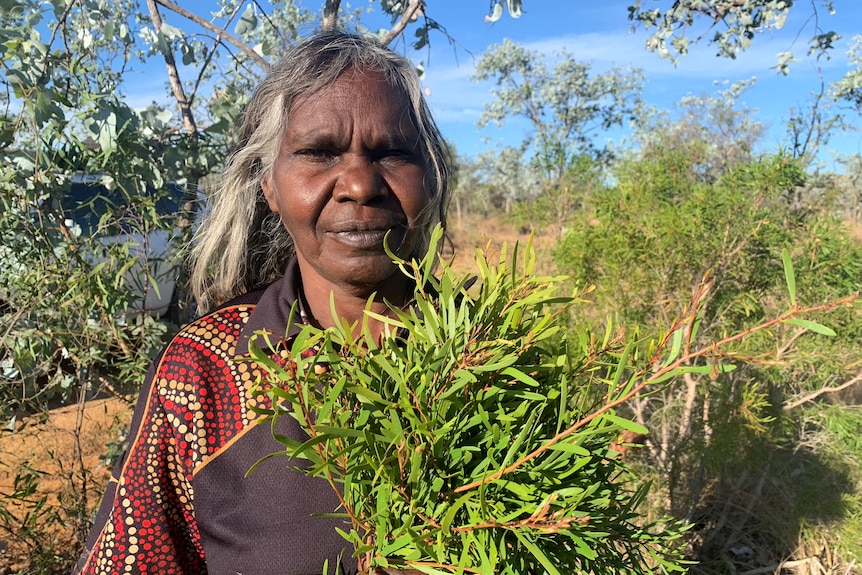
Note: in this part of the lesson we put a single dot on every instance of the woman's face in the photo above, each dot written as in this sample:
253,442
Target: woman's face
349,171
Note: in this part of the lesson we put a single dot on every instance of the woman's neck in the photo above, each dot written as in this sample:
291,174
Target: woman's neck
351,303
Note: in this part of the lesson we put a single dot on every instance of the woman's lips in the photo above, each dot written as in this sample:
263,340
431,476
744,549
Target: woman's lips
368,237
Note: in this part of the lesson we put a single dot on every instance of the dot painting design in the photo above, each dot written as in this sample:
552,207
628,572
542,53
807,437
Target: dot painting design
200,400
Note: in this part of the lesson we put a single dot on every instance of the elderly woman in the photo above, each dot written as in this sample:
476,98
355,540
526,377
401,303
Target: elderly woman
337,155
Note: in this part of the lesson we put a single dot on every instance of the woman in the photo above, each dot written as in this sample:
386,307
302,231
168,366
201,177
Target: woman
337,154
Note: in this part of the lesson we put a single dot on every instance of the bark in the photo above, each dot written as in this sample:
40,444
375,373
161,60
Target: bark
176,85
329,21
224,34
411,12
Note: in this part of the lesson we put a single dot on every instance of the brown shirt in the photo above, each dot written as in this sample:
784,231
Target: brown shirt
179,500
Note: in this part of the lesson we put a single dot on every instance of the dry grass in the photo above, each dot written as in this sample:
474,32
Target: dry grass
491,234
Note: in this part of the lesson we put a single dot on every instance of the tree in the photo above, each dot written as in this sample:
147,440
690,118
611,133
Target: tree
850,87
676,216
732,23
565,104
568,108
712,133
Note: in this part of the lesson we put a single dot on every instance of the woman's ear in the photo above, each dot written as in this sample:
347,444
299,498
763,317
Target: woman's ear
269,192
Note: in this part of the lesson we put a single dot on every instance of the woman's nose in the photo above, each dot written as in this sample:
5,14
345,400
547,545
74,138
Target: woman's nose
359,180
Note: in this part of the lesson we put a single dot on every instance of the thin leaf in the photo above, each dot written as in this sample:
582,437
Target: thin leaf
811,325
537,553
789,276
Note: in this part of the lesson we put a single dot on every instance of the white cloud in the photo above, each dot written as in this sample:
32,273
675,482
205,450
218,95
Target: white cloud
620,48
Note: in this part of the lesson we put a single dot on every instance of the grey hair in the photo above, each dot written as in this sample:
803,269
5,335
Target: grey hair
242,244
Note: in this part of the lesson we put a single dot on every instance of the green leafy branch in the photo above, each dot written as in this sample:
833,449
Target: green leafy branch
478,436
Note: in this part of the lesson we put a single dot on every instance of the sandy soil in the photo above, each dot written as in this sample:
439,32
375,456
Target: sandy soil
47,444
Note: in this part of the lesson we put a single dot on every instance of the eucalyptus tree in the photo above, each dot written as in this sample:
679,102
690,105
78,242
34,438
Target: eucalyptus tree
730,25
570,112
849,88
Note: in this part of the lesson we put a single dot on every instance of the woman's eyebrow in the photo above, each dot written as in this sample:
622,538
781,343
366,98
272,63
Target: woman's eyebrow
320,137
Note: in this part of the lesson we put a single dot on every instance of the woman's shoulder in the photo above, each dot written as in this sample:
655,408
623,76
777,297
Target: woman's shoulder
223,324
202,383
210,341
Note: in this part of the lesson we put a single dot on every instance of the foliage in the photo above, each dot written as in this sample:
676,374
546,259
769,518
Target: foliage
564,103
850,87
552,206
646,241
509,178
468,439
514,7
733,25
26,516
850,189
67,114
713,132
833,432
67,111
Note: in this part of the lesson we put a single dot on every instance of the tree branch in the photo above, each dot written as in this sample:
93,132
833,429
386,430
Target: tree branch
713,349
779,354
410,12
329,21
224,34
210,55
821,391
176,85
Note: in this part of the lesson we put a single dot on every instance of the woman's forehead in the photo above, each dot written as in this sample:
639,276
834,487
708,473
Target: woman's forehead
348,83
358,97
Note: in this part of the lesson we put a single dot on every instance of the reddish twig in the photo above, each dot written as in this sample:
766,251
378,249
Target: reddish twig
711,349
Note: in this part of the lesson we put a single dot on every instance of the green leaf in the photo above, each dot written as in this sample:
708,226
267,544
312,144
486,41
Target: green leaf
676,346
537,553
398,544
449,517
789,276
626,424
810,325
247,22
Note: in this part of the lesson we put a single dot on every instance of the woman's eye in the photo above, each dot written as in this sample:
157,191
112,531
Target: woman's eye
315,154
395,154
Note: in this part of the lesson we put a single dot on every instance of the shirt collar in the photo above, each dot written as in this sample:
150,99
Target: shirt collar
272,312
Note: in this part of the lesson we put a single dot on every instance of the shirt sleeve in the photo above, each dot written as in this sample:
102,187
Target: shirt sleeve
146,521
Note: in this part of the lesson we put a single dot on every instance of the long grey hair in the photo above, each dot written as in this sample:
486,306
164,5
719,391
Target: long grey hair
242,244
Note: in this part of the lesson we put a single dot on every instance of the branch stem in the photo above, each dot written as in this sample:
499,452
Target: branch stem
224,34
712,349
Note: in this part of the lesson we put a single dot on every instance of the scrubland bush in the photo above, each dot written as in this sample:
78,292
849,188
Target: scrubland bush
733,451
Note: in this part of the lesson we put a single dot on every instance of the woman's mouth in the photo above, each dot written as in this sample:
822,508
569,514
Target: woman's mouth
373,238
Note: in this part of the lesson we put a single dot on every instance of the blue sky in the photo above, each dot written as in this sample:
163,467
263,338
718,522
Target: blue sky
599,34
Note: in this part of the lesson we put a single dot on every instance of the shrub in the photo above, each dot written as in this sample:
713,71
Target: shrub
646,243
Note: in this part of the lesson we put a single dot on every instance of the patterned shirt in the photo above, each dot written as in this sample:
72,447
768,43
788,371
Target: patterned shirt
179,500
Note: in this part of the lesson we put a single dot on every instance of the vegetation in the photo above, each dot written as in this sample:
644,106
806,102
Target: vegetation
477,435
762,461
470,438
717,438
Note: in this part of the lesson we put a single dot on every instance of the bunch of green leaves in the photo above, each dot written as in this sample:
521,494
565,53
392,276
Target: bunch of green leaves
475,437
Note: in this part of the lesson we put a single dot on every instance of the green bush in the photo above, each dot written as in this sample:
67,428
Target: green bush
647,243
